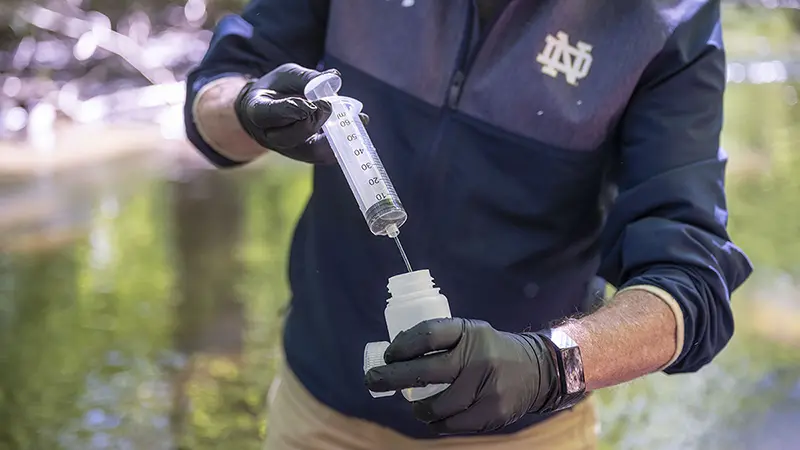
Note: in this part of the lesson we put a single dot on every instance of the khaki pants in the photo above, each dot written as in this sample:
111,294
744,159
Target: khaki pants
297,421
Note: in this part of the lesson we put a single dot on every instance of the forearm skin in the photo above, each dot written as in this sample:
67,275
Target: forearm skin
638,332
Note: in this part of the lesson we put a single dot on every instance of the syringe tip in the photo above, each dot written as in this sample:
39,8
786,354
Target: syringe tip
392,231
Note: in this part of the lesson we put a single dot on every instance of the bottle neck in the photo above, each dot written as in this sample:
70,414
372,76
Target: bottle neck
408,286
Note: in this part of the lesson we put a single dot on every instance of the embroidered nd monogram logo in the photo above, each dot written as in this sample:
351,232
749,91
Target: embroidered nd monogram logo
560,57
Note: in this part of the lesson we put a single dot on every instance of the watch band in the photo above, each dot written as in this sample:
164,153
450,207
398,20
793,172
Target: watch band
571,384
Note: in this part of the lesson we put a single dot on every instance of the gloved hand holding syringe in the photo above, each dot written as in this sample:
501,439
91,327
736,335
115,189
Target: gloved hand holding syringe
359,160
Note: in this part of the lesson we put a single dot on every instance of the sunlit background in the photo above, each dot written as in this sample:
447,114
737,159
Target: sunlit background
141,292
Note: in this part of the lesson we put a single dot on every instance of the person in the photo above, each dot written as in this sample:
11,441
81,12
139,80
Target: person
534,145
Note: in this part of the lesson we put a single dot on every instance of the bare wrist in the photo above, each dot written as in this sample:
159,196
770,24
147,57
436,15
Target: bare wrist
216,121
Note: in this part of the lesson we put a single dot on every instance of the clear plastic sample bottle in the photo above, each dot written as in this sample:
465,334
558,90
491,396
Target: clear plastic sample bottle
414,299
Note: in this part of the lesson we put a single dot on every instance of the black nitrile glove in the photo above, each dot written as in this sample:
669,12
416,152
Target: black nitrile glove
496,377
274,111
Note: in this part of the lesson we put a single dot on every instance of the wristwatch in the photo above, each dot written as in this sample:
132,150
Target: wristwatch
571,384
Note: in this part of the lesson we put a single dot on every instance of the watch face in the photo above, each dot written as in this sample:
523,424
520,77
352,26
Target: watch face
573,370
570,355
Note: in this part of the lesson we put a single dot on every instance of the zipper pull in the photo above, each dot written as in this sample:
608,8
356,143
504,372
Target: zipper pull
455,89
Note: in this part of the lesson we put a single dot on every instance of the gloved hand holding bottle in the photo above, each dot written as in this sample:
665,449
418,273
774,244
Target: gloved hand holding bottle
496,377
273,110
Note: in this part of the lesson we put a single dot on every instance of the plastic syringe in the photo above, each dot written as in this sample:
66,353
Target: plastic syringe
359,160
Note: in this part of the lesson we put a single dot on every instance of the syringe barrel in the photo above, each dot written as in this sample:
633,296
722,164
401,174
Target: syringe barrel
358,158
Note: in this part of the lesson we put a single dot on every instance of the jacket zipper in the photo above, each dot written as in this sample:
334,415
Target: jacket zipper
424,171
456,85
432,164
467,58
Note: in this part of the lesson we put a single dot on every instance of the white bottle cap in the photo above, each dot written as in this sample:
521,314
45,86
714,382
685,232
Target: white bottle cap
373,357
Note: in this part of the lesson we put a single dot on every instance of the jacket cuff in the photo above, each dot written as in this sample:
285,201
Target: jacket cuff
673,304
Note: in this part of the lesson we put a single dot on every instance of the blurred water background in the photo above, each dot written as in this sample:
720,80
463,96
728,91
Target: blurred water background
141,291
